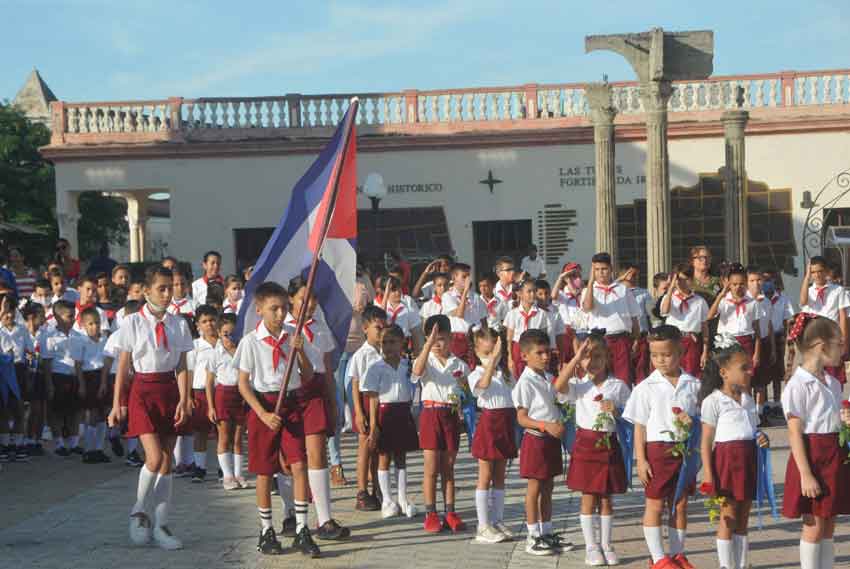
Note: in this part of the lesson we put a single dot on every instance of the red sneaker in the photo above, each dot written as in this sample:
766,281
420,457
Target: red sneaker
454,522
682,561
665,562
433,523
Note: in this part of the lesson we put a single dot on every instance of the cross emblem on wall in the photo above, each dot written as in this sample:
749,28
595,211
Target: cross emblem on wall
490,181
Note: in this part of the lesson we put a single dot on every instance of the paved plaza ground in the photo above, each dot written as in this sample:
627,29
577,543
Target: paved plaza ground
59,513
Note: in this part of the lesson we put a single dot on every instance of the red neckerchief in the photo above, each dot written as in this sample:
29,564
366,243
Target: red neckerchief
178,304
491,306
570,296
774,299
438,299
233,305
684,301
606,289
504,294
394,312
80,308
527,316
277,348
820,294
307,331
740,305
159,330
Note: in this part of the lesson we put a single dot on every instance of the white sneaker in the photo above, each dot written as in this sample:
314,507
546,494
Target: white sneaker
165,539
504,530
538,546
390,510
489,534
408,509
594,556
140,529
230,484
611,557
46,434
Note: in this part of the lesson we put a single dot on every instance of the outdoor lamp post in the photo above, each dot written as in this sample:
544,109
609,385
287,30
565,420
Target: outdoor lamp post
375,190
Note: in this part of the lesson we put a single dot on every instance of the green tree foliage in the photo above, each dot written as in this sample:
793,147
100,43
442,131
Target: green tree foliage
28,193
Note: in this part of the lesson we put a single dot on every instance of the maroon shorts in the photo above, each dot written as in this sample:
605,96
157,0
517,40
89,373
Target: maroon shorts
540,457
311,399
620,350
827,461
691,353
91,380
565,345
459,347
495,435
267,447
777,374
748,343
734,467
642,365
596,469
65,400
153,402
200,414
665,471
398,430
229,405
108,397
763,374
438,429
24,379
519,363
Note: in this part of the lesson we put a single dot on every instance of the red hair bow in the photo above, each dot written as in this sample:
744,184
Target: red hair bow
799,325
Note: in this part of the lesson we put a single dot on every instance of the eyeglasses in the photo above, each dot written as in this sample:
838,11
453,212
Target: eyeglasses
702,258
508,270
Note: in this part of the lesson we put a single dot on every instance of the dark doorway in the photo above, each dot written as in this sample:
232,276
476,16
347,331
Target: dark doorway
494,239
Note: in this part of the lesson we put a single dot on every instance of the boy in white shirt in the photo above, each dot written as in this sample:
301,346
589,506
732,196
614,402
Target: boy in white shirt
782,311
496,311
212,274
435,304
526,316
87,298
93,342
688,312
465,310
823,298
738,313
398,312
197,362
506,273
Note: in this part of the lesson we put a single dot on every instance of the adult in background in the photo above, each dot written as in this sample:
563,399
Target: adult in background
102,262
705,284
23,275
70,265
533,264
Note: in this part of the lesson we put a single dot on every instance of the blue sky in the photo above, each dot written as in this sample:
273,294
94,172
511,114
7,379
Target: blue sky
90,50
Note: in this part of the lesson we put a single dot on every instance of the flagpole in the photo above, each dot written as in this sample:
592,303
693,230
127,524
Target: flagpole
311,277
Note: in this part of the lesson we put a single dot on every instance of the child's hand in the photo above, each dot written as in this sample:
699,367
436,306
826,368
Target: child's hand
432,267
496,354
211,415
644,472
271,420
555,429
583,348
762,440
809,486
372,439
432,337
360,419
606,406
181,414
117,416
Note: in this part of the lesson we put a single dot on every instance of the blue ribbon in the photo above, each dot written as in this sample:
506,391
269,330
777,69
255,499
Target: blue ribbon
568,441
764,484
692,463
626,438
8,380
469,416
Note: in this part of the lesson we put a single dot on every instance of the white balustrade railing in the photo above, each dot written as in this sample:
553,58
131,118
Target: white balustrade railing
527,102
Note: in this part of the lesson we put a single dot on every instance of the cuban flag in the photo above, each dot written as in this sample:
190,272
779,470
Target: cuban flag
320,220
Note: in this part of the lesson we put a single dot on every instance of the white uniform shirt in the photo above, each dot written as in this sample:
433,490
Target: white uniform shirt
475,311
816,404
232,308
255,357
16,342
392,385
64,350
641,297
431,308
93,352
536,318
199,289
827,300
687,313
652,401
78,321
403,316
110,350
569,308
70,295
498,393
318,341
782,309
536,394
496,312
196,362
556,324
738,321
221,365
534,267
137,336
185,305
504,293
439,382
613,308
732,421
583,393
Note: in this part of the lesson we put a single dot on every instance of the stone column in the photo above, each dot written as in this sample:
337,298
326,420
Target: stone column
654,95
133,227
67,216
735,177
602,113
143,236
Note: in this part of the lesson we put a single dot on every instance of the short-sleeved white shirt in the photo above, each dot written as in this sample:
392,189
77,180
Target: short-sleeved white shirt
498,393
231,307
641,297
732,421
110,350
534,267
613,309
652,401
431,308
64,350
537,318
738,321
556,324
496,312
781,310
766,309
828,303
16,341
199,289
536,394
816,404
406,318
196,362
78,323
318,341
687,313
569,309
365,357
221,365
441,381
504,293
255,357
584,393
473,314
392,385
185,305
93,352
137,336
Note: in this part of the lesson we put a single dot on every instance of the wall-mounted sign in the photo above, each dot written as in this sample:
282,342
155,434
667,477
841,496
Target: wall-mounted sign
585,176
408,188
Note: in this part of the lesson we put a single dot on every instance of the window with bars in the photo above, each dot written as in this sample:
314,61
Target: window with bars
554,225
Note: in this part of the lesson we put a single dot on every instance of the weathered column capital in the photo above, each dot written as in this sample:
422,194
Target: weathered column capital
600,101
655,95
734,124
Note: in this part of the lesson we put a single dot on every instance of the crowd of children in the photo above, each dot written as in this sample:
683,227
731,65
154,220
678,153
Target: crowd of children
528,370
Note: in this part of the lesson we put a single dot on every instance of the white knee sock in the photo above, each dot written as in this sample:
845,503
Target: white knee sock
401,486
482,508
237,465
300,515
284,488
726,554
320,485
90,437
498,498
809,555
143,490
827,553
606,527
224,462
742,550
201,460
676,538
533,530
587,530
546,528
265,518
99,435
654,542
178,450
162,498
384,484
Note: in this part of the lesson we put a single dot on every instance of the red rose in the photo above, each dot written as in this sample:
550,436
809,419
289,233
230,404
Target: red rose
706,488
845,404
458,373
598,397
677,411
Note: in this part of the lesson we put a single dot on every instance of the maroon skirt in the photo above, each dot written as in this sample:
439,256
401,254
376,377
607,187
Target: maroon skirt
200,412
620,357
691,353
153,402
596,470
311,398
665,471
516,355
540,457
398,430
748,343
642,365
229,405
565,345
734,466
495,435
438,429
827,461
91,380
